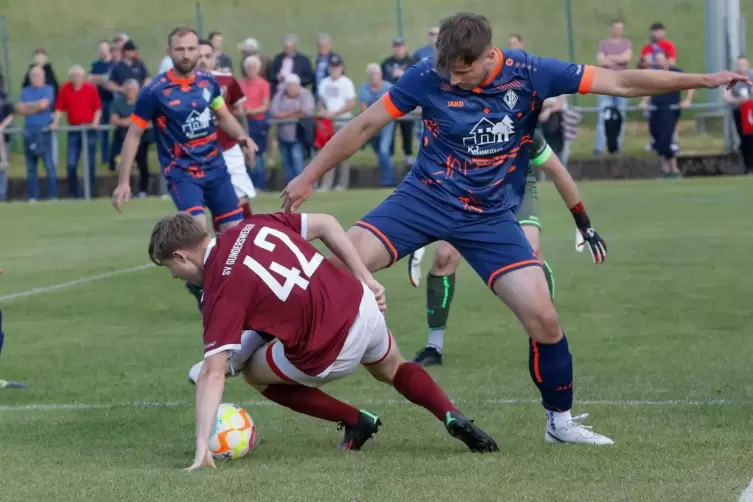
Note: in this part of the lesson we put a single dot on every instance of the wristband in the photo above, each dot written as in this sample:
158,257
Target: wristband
579,215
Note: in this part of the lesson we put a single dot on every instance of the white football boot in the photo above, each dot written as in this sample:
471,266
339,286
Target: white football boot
567,429
414,266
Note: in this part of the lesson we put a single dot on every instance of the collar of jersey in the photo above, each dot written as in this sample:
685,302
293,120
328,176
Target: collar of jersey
209,249
497,69
180,81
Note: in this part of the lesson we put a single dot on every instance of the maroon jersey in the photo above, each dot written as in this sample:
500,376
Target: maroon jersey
264,275
233,95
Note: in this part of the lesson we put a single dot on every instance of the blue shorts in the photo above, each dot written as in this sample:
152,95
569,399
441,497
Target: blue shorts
212,189
492,244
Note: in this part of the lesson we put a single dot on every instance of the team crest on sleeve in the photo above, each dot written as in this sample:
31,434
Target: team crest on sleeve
488,138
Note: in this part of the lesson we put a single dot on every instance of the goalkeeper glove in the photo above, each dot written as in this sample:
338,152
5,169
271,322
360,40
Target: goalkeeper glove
587,235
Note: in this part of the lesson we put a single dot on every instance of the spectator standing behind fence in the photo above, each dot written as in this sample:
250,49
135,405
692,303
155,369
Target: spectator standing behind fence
288,62
258,96
166,63
79,100
100,69
741,99
392,69
369,93
6,118
337,96
122,108
659,43
40,59
131,67
251,47
664,114
430,49
224,63
613,53
321,64
35,103
292,101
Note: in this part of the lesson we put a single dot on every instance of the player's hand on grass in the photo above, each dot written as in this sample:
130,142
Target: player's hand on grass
725,78
121,193
590,237
296,192
202,461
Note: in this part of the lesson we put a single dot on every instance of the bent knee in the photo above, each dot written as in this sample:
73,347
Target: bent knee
544,325
385,370
446,259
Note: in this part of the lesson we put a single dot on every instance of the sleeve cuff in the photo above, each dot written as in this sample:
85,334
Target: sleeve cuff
394,112
138,121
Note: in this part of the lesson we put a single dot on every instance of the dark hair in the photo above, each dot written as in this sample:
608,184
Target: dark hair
464,38
204,41
657,26
213,34
618,21
180,31
517,36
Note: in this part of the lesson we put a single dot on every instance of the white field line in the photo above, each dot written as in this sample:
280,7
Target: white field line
372,402
64,285
747,494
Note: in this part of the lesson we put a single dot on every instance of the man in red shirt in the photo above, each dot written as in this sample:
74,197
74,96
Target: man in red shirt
659,44
79,100
264,274
231,152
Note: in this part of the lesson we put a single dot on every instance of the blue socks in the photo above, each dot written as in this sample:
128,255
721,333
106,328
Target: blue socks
551,367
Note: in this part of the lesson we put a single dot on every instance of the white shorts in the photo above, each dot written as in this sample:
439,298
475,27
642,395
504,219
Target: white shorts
236,167
368,342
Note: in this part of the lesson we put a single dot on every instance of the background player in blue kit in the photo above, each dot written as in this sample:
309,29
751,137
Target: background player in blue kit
182,104
480,107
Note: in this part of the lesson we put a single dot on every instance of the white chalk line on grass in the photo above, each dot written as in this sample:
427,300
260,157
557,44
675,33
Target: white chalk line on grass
747,494
372,402
64,285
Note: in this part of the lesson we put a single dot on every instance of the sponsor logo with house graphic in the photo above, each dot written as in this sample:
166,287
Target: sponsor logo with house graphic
197,124
487,137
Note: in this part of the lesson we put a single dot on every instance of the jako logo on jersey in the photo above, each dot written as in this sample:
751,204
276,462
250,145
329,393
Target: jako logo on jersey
197,124
489,135
455,104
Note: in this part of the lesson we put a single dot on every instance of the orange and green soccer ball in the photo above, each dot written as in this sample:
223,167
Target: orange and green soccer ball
234,433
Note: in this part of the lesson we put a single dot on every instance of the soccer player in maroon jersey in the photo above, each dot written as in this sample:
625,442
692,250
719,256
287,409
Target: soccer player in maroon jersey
480,106
264,274
231,151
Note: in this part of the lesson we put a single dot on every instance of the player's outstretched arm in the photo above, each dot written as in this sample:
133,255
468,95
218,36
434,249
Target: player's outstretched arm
327,229
637,83
127,156
209,389
342,146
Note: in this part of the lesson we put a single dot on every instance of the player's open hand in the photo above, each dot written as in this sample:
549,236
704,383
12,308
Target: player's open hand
596,245
378,291
725,78
250,148
203,461
121,193
296,192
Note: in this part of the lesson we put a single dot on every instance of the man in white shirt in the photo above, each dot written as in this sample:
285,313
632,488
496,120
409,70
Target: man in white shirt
337,96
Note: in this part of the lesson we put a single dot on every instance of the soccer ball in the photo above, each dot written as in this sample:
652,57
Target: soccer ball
234,433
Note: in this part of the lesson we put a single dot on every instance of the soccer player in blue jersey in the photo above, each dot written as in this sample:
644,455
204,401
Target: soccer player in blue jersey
480,107
183,104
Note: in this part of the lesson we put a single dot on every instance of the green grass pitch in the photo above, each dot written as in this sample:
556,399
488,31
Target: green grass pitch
660,336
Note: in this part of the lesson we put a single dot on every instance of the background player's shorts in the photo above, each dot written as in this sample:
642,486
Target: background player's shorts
368,342
236,166
409,219
214,191
528,213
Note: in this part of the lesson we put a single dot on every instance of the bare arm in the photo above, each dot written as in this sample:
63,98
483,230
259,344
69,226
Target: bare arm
602,59
259,109
636,83
624,57
119,121
728,97
348,107
5,123
689,97
128,153
230,124
56,118
209,390
348,140
331,233
97,117
562,180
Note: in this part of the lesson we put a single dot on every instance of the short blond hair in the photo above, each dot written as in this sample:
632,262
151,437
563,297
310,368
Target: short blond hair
171,233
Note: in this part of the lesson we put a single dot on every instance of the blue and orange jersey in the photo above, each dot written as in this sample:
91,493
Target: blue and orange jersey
476,145
181,110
